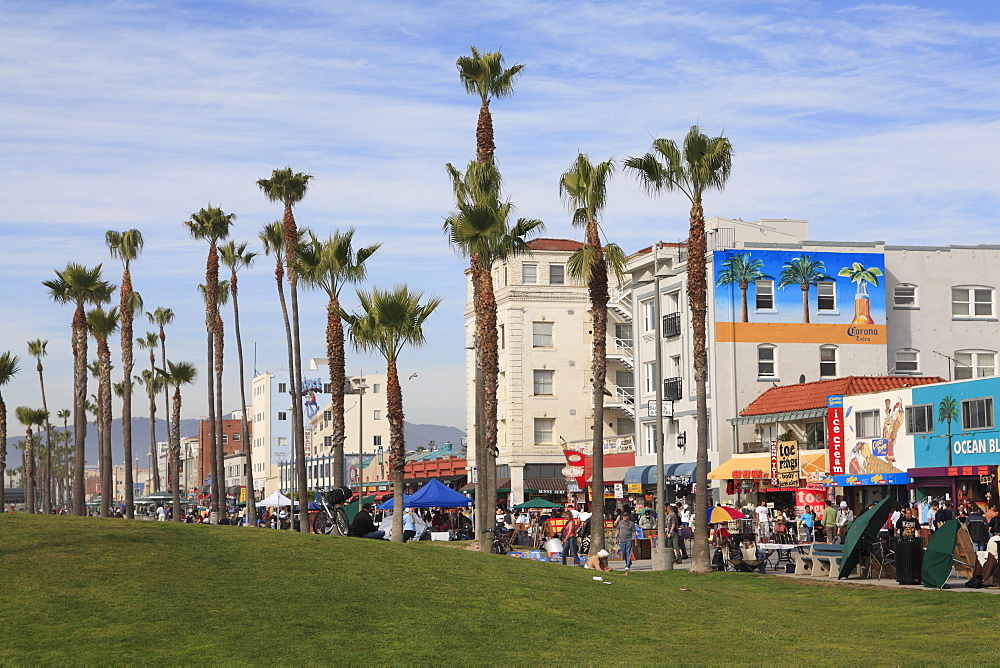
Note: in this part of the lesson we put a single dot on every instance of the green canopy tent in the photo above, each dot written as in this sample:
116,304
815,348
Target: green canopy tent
536,503
939,555
861,533
352,508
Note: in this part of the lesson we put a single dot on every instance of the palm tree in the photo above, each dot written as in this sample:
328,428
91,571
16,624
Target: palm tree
584,189
480,229
237,257
37,350
702,164
387,321
126,246
78,285
182,373
329,265
212,224
8,369
483,74
289,188
861,276
30,417
103,324
218,341
948,412
153,385
804,272
740,270
63,414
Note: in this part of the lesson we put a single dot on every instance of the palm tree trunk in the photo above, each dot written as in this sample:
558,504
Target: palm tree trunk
697,297
278,274
484,134
79,408
157,483
486,489
251,515
174,440
127,364
220,457
805,303
598,290
299,426
484,514
336,364
211,313
104,416
397,444
3,450
46,477
212,452
152,429
29,473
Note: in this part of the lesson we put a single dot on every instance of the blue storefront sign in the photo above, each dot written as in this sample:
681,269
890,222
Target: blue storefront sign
869,479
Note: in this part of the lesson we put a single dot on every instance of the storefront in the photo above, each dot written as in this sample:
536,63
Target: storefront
862,490
958,484
748,480
678,482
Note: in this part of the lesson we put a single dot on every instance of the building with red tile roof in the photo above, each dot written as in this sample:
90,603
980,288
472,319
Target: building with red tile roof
806,396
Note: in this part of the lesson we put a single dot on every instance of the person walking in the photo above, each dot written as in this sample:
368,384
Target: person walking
671,527
808,520
626,529
830,522
571,547
844,518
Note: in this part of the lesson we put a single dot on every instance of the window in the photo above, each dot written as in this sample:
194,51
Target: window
625,381
503,338
649,376
557,274
236,437
977,364
377,439
623,334
826,296
529,273
624,426
920,419
649,438
904,296
765,295
541,335
543,431
868,424
828,361
765,361
543,382
282,387
225,438
376,388
327,415
649,315
327,388
977,413
282,415
906,361
328,441
972,302
377,415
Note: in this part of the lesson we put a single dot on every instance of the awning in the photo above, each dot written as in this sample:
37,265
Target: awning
545,485
870,479
503,485
612,474
746,465
770,418
640,475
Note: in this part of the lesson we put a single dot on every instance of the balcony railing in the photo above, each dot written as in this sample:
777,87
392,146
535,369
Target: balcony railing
673,389
671,325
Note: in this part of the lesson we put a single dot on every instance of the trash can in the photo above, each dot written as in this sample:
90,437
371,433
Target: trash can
909,559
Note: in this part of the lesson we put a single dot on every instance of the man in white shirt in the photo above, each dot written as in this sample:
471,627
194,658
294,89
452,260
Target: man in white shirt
161,514
571,510
763,514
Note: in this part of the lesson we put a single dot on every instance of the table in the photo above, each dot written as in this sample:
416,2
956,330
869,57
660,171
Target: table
784,551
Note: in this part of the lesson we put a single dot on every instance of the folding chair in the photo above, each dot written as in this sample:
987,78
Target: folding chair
880,556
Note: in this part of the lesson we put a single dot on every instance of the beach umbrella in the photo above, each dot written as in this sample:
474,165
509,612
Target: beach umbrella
862,532
724,514
939,555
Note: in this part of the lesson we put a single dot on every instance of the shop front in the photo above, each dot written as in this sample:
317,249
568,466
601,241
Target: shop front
751,480
678,483
860,491
958,484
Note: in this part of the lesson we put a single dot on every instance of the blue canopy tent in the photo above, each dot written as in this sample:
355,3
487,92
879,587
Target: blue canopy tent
387,504
434,494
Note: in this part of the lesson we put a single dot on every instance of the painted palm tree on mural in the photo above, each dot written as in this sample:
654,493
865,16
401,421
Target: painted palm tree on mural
480,229
329,265
804,272
8,369
862,276
702,164
37,350
82,287
288,188
740,270
30,417
387,321
584,188
948,412
103,324
177,375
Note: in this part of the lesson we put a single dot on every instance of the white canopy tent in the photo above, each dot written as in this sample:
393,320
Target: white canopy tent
276,499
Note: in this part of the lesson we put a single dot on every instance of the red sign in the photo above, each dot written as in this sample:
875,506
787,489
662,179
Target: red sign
577,459
809,497
835,434
774,463
753,474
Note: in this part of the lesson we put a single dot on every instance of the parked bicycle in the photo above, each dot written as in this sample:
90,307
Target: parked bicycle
502,540
332,518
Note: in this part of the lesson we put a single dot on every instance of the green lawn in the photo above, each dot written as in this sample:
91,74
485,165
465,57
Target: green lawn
79,590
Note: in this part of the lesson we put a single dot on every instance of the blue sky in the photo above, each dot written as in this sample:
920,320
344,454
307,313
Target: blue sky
873,121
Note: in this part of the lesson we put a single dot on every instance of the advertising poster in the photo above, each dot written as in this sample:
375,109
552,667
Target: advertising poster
788,464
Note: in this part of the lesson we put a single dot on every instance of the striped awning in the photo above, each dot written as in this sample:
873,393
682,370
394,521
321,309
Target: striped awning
769,418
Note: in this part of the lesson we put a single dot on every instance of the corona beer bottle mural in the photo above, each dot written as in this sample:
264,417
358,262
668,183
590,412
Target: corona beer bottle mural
861,277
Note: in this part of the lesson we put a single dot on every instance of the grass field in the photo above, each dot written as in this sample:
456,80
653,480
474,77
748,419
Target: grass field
89,591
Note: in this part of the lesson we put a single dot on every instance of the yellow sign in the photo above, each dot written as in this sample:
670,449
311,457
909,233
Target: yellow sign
788,464
634,488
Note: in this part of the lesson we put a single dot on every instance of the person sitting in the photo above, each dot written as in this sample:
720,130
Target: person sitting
363,526
599,561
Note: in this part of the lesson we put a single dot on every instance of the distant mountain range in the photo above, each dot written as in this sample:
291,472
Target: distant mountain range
416,435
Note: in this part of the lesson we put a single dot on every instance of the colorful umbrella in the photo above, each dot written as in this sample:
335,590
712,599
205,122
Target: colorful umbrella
939,555
863,530
724,514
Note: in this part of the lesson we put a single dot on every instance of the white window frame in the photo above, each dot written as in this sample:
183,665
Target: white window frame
768,292
544,431
762,362
649,378
649,315
377,440
542,380
541,334
900,363
555,269
822,362
832,288
868,424
987,413
377,414
967,302
975,367
529,273
900,297
649,437
927,410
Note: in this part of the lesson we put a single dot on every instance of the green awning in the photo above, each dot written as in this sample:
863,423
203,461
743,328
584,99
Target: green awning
792,416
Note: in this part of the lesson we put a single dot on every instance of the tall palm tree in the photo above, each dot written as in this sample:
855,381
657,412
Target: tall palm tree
218,341
151,382
78,285
30,417
161,317
212,224
37,350
702,164
387,321
480,229
483,74
289,188
8,369
739,269
126,246
584,188
64,451
103,324
236,257
182,373
804,272
329,265
948,412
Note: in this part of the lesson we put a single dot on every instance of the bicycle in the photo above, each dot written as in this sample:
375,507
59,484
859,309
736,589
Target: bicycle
332,517
502,540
